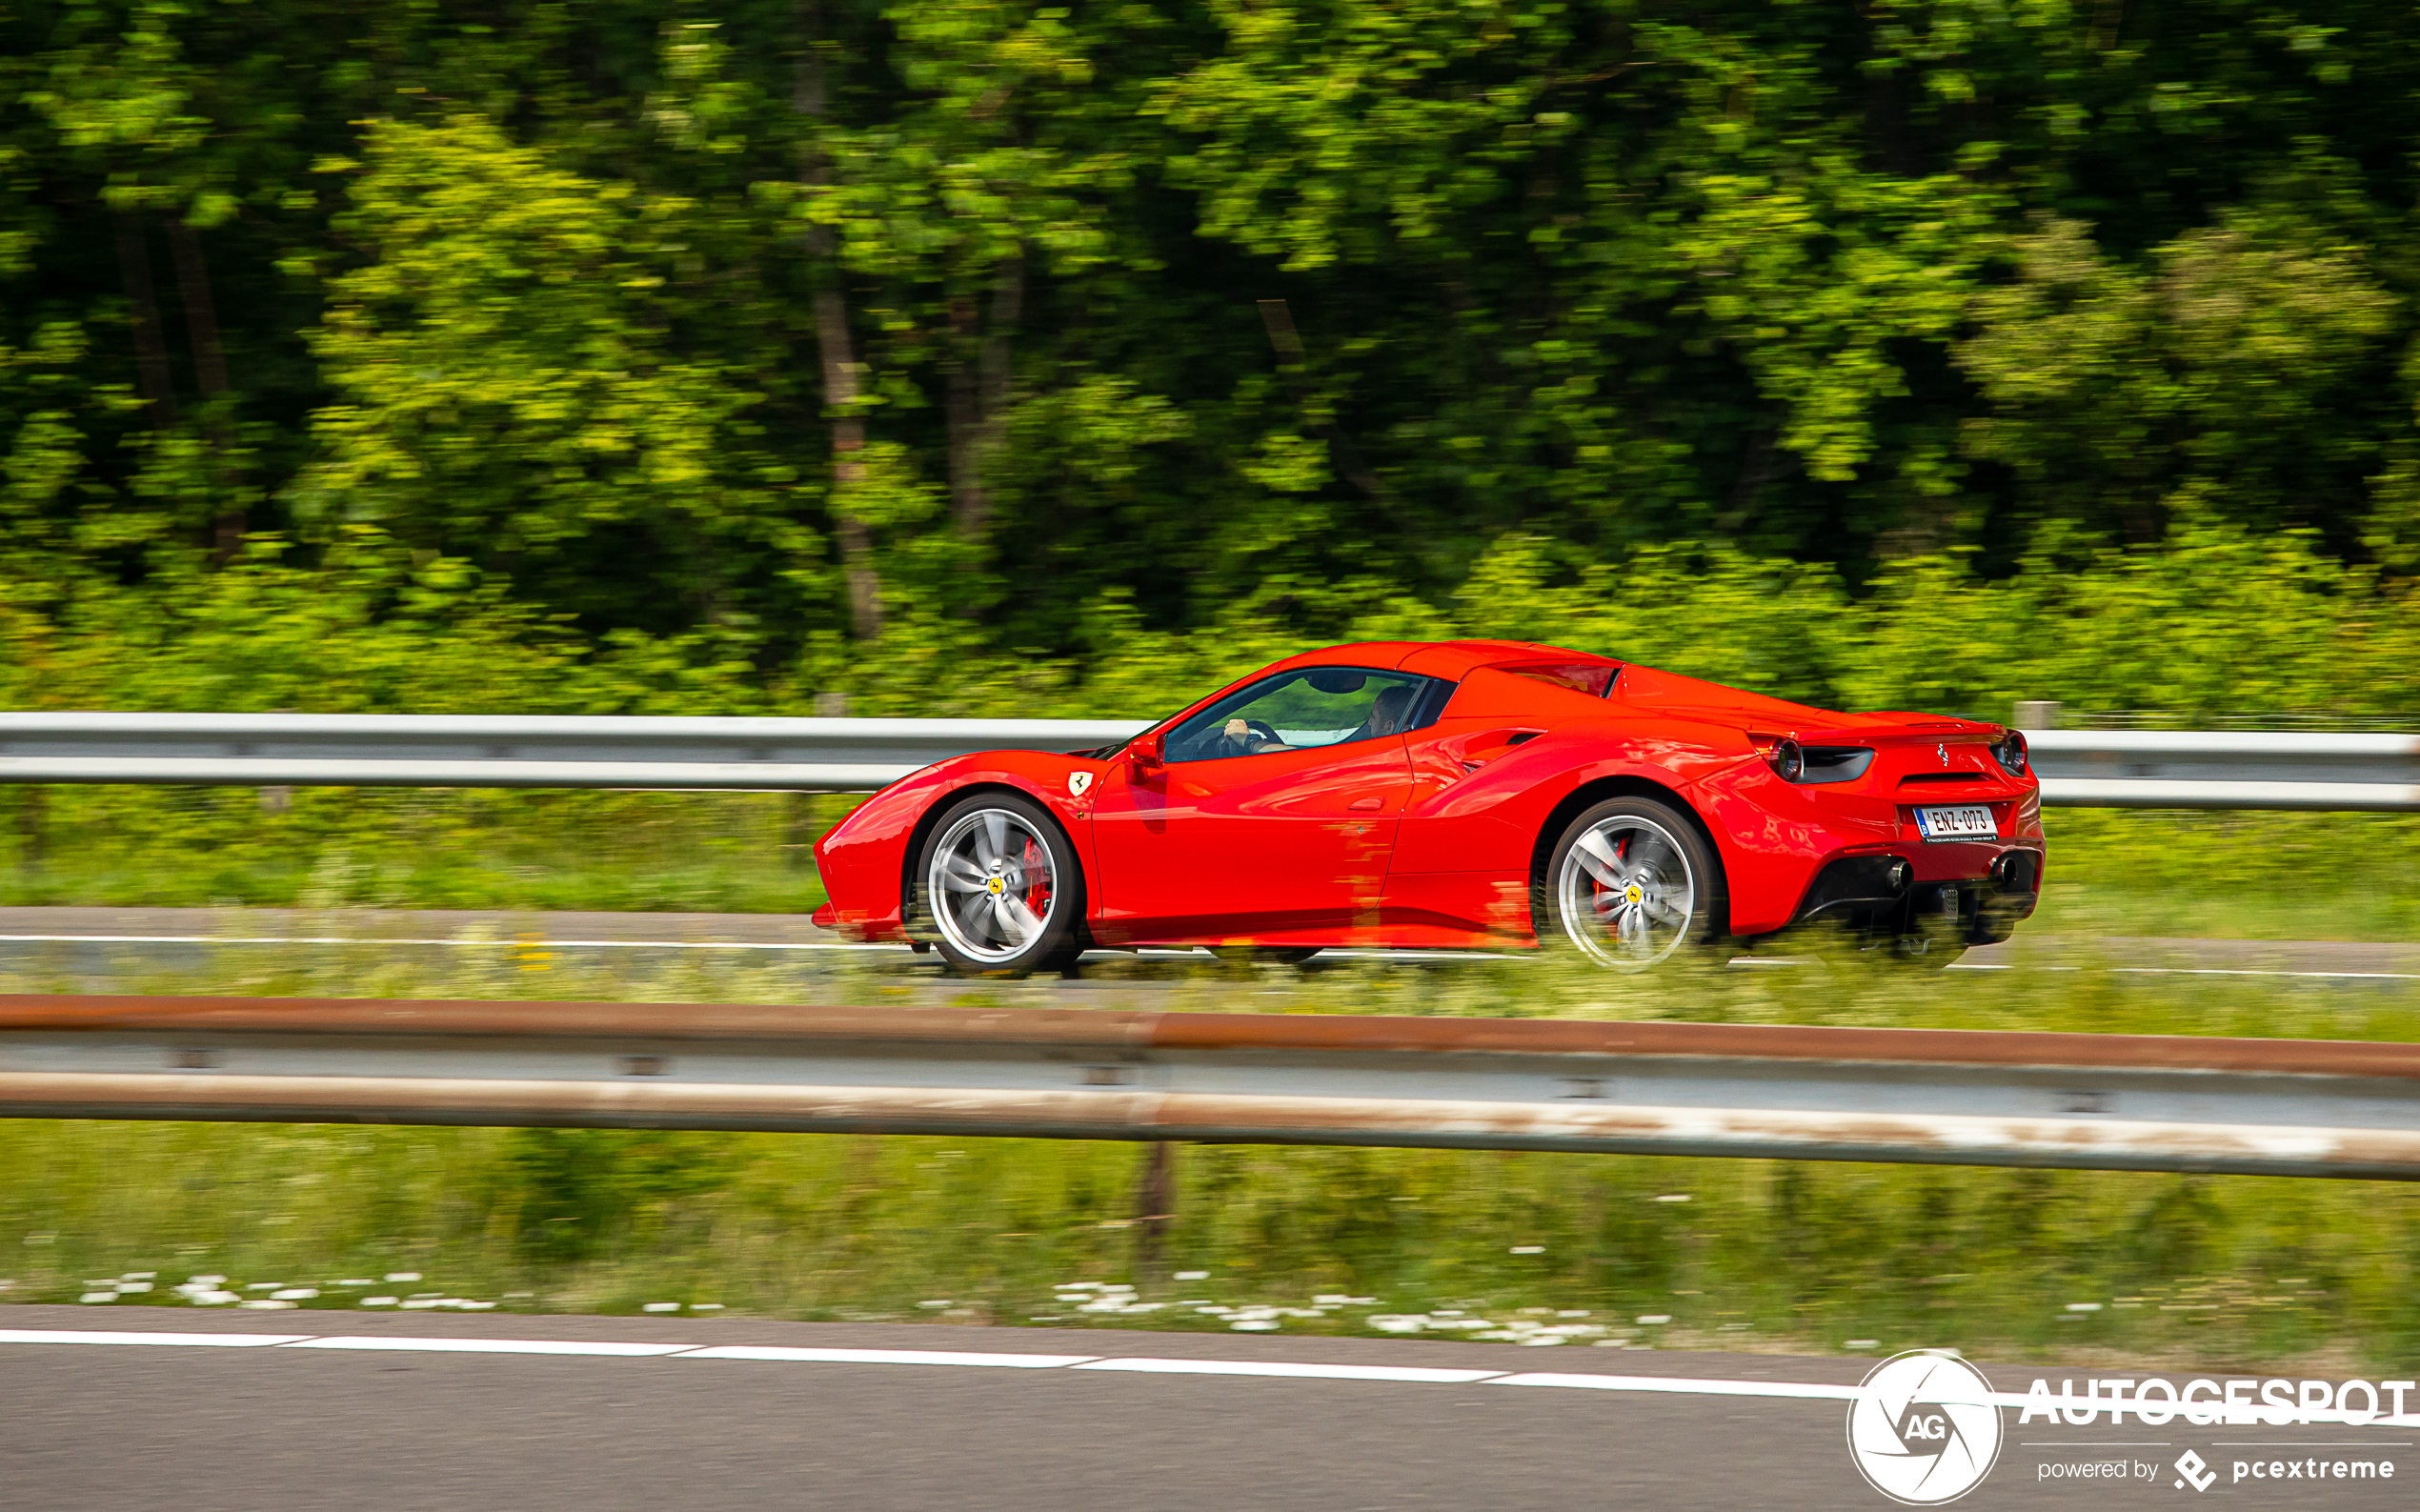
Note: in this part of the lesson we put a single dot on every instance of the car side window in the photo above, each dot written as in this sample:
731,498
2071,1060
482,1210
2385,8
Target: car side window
1302,710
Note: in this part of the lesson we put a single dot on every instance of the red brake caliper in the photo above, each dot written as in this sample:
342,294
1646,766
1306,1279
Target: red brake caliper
1036,893
1602,888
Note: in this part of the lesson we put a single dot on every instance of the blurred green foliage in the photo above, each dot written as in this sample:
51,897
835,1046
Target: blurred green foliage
1913,354
1924,356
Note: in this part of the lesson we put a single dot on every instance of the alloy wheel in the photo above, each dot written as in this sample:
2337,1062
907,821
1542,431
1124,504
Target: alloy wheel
993,884
1625,892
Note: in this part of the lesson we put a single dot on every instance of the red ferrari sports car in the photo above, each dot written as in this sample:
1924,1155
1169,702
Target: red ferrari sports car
1469,792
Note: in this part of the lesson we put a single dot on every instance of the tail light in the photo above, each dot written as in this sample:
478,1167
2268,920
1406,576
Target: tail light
1786,759
2010,753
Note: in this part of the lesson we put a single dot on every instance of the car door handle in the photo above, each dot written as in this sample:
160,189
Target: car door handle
1361,805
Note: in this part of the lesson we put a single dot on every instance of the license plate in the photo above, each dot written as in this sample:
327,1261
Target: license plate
1968,821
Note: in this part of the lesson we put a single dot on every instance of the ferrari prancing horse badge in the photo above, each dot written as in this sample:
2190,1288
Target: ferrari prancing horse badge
1078,782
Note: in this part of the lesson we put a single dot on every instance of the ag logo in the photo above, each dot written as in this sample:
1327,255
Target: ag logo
1923,1429
1077,782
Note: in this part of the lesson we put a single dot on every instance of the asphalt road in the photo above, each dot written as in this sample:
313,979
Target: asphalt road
127,949
125,1426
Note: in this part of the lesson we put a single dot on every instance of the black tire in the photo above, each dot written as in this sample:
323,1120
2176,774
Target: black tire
1646,879
1007,853
1266,954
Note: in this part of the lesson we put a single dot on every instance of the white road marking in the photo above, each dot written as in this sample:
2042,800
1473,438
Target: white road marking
485,1347
1671,1386
93,1336
888,1356
515,943
1297,1372
2194,971
1746,962
1691,1384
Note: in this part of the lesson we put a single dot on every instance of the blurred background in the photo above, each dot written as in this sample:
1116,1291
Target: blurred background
954,358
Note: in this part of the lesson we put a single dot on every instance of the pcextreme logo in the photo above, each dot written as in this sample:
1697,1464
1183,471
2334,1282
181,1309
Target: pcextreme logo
2192,1468
1924,1429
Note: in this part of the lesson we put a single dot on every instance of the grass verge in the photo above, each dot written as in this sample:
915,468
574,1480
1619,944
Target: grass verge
2220,1272
2208,875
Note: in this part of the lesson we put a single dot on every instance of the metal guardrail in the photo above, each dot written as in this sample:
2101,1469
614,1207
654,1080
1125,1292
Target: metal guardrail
512,751
2230,769
1935,1097
2079,768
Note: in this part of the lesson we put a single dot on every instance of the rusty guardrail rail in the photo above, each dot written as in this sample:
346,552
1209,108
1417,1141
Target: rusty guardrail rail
1940,1097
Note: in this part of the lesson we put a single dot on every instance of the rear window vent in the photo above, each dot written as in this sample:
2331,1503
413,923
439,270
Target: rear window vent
1595,679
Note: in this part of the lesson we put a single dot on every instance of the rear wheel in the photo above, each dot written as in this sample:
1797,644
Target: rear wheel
1632,884
1001,889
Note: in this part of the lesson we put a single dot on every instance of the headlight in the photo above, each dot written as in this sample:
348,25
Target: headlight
2010,753
1787,759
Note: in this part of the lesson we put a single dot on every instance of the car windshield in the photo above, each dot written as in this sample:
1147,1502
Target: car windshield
1300,710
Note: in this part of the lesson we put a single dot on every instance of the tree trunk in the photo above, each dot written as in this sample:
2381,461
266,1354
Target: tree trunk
1008,306
1342,454
967,504
209,373
848,448
810,98
978,394
151,350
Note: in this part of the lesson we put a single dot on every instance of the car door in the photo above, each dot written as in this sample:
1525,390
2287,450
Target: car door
1230,838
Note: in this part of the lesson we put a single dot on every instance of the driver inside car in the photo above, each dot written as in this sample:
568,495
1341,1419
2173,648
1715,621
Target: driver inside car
1252,737
1388,714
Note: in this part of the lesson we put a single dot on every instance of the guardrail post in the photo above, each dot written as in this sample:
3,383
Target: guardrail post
2036,713
797,832
29,833
1155,1203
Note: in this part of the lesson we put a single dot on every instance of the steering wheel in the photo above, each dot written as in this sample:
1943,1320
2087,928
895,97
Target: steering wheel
1256,732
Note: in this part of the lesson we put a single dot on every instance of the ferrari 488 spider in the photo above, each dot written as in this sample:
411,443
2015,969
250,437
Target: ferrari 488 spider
1471,793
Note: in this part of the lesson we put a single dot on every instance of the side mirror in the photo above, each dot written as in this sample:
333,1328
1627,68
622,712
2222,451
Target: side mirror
1145,756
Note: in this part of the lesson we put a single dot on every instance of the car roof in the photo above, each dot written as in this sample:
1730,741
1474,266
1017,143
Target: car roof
1449,660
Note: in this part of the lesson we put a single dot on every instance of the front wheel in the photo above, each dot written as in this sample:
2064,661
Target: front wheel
1002,888
1632,884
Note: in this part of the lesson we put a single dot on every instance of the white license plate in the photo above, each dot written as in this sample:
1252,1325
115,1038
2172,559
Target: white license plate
1968,821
